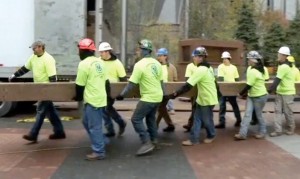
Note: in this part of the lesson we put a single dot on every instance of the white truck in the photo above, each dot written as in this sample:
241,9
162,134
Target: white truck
60,24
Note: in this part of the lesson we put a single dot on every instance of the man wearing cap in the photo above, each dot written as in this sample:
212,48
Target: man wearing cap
207,98
169,72
116,73
147,74
228,73
190,68
92,86
284,84
42,65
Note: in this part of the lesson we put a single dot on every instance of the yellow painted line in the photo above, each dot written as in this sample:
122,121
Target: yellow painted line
30,120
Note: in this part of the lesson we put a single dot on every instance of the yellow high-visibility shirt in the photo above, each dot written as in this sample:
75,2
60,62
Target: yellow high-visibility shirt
147,73
115,70
93,75
204,78
287,83
228,72
42,67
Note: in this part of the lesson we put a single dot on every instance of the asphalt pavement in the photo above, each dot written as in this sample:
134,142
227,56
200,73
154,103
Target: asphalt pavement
224,158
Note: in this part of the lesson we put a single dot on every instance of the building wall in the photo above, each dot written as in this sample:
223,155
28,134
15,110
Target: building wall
61,24
288,7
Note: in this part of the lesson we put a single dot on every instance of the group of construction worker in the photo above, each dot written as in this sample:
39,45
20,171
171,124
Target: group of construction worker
149,74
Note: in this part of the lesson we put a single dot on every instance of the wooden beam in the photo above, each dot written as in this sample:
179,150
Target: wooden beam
65,91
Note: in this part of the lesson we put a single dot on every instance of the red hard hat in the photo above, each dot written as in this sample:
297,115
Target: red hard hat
87,44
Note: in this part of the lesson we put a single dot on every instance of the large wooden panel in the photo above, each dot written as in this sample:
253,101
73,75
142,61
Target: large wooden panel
66,91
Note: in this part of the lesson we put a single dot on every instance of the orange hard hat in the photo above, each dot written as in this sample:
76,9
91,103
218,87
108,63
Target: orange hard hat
87,44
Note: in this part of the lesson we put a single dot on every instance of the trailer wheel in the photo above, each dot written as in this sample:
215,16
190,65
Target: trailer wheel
6,107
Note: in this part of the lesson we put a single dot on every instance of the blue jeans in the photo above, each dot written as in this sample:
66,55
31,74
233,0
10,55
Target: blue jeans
46,108
257,104
235,107
145,110
111,113
203,115
92,122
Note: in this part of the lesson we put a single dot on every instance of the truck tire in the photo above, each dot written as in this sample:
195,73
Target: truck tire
7,107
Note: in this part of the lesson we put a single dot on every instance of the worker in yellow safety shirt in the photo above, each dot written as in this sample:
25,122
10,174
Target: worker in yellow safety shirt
162,56
284,84
257,96
228,72
207,98
254,120
92,86
43,67
190,68
116,73
147,75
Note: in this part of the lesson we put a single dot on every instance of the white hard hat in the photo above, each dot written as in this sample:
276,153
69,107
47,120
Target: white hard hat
226,55
284,50
104,46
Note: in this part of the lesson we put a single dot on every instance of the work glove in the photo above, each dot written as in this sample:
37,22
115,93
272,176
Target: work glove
11,78
242,96
119,98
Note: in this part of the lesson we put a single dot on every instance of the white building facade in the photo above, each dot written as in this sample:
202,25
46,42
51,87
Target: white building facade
287,7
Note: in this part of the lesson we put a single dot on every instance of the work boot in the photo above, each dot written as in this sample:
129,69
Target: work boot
30,138
145,148
187,143
110,134
94,156
237,123
57,136
259,136
289,132
208,140
220,126
275,134
169,129
122,129
239,137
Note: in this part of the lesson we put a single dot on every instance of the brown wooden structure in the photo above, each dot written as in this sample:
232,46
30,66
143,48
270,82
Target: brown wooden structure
214,49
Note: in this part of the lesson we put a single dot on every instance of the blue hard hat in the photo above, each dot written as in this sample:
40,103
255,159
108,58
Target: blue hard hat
162,51
199,51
